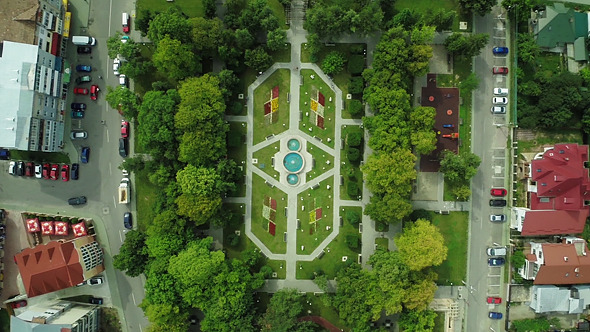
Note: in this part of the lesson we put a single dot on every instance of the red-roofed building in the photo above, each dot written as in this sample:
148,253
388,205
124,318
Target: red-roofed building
59,264
565,263
558,190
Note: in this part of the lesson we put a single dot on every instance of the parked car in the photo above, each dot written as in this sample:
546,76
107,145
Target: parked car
500,50
46,169
77,200
497,217
85,155
39,171
18,304
500,192
75,171
124,129
123,80
500,100
125,22
496,251
128,220
494,300
77,114
84,50
78,134
65,173
84,68
495,315
83,79
123,147
80,91
20,168
501,91
500,70
124,39
496,261
95,300
116,65
497,202
53,172
94,92
499,110
12,168
29,168
78,106
4,154
95,281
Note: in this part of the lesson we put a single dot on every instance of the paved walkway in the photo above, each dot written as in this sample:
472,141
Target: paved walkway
296,36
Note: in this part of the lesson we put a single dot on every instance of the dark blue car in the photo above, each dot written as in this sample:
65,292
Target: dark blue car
500,50
84,68
496,261
78,106
495,315
85,154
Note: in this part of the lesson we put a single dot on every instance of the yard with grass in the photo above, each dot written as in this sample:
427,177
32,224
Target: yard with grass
260,218
331,262
282,55
318,307
425,7
382,242
242,242
439,322
191,8
275,122
279,12
454,228
237,152
264,157
323,161
350,171
313,221
315,115
145,195
549,138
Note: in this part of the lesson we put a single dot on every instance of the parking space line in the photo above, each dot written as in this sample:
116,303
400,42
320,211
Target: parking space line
133,296
114,201
110,169
108,140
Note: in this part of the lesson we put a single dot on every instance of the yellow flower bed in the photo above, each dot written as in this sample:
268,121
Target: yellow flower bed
314,105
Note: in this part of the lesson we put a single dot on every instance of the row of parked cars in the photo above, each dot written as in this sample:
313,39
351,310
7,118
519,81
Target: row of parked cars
44,171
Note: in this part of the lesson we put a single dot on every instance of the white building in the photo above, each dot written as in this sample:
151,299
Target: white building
56,317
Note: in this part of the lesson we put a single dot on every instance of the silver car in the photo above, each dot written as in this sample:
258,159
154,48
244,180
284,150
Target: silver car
500,91
500,100
498,109
78,134
497,217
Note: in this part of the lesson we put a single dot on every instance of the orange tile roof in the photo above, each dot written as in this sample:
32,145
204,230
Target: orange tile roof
563,265
545,222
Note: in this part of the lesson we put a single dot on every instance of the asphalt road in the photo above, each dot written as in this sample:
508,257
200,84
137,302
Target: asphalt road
99,178
489,137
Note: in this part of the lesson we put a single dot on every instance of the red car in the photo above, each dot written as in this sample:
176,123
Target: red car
500,70
494,300
18,304
94,92
499,192
80,91
65,173
53,172
29,168
46,168
124,129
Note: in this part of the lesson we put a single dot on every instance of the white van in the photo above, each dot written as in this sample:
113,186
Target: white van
497,251
125,22
83,40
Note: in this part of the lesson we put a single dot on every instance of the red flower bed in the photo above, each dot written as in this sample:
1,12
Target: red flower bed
320,122
321,99
272,228
275,92
318,213
267,108
273,204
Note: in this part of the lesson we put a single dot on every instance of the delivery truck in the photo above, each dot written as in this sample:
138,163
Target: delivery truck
124,191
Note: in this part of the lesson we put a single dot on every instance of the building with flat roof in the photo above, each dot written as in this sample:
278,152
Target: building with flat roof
56,316
59,264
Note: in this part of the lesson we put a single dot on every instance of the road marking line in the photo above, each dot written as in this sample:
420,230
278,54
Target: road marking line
114,201
120,236
110,169
133,296
108,140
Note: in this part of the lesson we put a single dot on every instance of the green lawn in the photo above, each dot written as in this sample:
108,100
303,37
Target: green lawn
192,8
311,235
143,83
550,137
259,224
321,157
39,157
279,11
424,6
439,322
454,229
238,154
262,94
244,243
318,307
331,262
351,172
265,156
382,243
310,85
282,55
145,194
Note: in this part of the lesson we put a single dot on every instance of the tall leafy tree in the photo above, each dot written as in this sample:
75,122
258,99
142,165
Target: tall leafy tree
333,63
132,257
417,321
282,311
276,39
123,99
171,23
258,59
421,245
459,167
207,34
176,59
379,177
155,129
479,7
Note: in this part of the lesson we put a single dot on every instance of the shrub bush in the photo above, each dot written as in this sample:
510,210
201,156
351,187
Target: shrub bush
356,64
353,154
356,85
333,63
236,108
354,138
234,240
353,217
352,189
356,107
352,241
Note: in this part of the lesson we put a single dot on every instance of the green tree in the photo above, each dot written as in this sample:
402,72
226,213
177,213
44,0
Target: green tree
155,129
407,18
424,141
517,259
244,39
210,8
207,34
389,208
354,138
352,241
417,321
171,23
353,154
479,7
333,63
282,311
353,217
441,19
356,85
421,245
142,22
314,45
228,83
166,317
356,107
132,257
258,59
380,179
540,324
276,39
469,46
201,181
469,84
356,64
176,59
123,99
462,192
528,49
459,167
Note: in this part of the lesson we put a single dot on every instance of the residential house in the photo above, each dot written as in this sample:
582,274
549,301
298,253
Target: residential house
56,316
569,300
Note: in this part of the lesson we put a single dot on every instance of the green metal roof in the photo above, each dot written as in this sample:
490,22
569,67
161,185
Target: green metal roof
580,51
558,27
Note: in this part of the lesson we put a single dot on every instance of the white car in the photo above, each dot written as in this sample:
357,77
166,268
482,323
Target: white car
501,92
500,100
116,65
92,281
78,135
123,80
12,168
499,110
497,217
124,39
38,171
496,251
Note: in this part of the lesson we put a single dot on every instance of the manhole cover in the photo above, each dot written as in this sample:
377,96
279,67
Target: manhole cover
105,210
